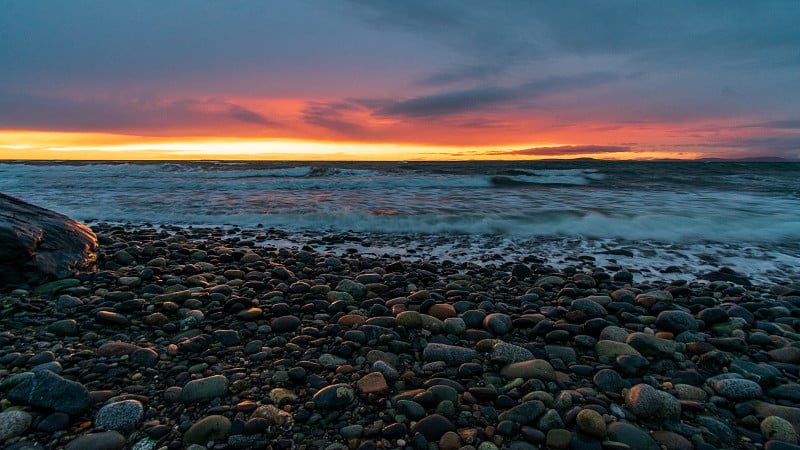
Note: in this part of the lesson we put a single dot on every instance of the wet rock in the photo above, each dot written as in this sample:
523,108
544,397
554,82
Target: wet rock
38,245
65,327
632,436
336,396
535,368
107,440
676,321
45,389
13,423
212,428
591,422
776,428
204,389
451,354
643,400
433,427
372,383
737,389
524,413
120,416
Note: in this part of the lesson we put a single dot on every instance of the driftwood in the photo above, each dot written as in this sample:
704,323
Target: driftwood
38,245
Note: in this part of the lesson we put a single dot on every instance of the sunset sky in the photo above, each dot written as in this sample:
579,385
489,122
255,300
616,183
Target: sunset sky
386,79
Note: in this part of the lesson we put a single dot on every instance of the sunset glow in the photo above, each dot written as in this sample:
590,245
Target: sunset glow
378,80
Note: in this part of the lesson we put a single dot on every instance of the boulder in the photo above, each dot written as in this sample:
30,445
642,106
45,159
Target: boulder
38,245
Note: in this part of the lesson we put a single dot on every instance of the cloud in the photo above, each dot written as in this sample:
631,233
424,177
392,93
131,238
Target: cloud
123,114
786,147
789,124
333,116
566,150
472,100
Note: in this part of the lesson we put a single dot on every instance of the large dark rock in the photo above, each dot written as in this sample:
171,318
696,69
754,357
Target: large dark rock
39,245
47,390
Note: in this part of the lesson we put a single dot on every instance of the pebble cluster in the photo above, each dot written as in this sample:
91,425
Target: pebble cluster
195,339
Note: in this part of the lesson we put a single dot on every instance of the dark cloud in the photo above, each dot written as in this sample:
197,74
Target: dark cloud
785,147
791,124
331,115
123,115
473,100
566,150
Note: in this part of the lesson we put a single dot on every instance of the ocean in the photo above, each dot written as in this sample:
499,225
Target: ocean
668,219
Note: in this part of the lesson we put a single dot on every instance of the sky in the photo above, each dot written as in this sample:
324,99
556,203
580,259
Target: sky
387,79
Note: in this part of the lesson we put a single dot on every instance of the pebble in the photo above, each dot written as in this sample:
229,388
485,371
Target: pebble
204,389
433,427
13,423
336,396
643,400
737,389
632,436
779,429
535,368
450,354
107,440
372,383
120,416
212,428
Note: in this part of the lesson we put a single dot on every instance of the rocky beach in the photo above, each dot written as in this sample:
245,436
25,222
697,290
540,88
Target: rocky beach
203,338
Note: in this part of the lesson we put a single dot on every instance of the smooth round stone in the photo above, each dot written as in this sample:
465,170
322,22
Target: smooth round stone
672,440
227,338
498,323
737,389
442,311
409,319
433,427
455,326
632,364
250,314
608,380
335,396
614,333
647,344
509,353
643,400
372,383
212,428
116,348
450,354
285,323
612,349
591,308
66,327
13,423
591,422
121,416
450,441
112,318
550,420
204,389
352,431
53,422
144,357
107,440
535,368
676,321
779,429
631,435
558,438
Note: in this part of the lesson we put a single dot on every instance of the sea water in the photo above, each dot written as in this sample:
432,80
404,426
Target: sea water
651,215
